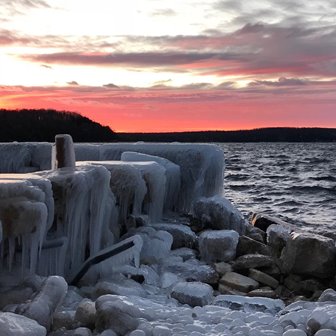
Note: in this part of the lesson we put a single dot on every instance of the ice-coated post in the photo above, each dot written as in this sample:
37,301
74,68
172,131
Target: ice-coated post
63,152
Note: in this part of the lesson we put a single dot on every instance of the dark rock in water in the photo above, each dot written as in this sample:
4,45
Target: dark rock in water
248,261
247,245
310,255
183,236
263,221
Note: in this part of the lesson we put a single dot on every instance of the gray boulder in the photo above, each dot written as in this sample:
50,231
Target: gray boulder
247,245
248,261
310,255
218,245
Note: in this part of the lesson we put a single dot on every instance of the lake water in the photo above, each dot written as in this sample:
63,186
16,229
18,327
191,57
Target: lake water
293,181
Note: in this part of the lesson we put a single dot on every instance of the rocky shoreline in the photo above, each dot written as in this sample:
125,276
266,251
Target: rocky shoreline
132,265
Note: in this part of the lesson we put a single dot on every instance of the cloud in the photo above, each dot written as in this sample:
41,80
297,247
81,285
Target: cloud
281,82
164,12
73,83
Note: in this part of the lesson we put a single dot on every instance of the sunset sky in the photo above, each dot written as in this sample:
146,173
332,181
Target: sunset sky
150,65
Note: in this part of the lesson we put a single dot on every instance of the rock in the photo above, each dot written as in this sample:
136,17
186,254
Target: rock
248,261
309,255
262,221
161,331
185,253
292,282
223,289
219,245
310,286
255,234
273,270
15,296
192,270
64,319
86,313
119,287
249,304
247,245
326,332
218,213
222,267
238,282
263,278
328,295
263,292
43,306
193,293
277,237
82,332
18,325
183,236
294,332
117,313
168,279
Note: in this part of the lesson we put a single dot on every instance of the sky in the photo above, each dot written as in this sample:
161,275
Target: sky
178,65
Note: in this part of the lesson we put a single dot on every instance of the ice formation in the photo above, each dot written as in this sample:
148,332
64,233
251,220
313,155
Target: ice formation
173,176
63,153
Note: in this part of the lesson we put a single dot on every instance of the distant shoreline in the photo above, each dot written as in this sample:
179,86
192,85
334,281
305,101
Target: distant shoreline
271,134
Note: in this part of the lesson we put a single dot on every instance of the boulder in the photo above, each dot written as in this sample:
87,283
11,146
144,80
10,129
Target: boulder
43,306
218,213
183,236
193,293
238,282
277,237
247,245
18,325
263,292
86,313
222,267
328,295
309,255
263,278
117,313
218,245
248,261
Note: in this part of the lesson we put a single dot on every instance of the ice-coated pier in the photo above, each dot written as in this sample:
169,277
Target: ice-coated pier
138,240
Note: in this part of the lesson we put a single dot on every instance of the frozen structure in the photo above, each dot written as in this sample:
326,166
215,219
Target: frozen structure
92,195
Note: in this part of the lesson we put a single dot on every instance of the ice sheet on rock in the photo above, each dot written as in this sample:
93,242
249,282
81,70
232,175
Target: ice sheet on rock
84,205
173,176
250,304
63,152
201,165
127,184
219,213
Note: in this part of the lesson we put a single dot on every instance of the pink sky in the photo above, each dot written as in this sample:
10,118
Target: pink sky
191,66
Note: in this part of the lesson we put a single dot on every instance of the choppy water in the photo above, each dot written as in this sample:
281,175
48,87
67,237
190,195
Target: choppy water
293,181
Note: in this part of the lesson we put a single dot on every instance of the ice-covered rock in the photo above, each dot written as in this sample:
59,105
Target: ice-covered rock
223,267
119,287
191,270
43,306
193,293
218,213
328,295
185,253
86,313
277,237
218,245
248,304
117,313
309,254
173,176
156,244
183,236
17,325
